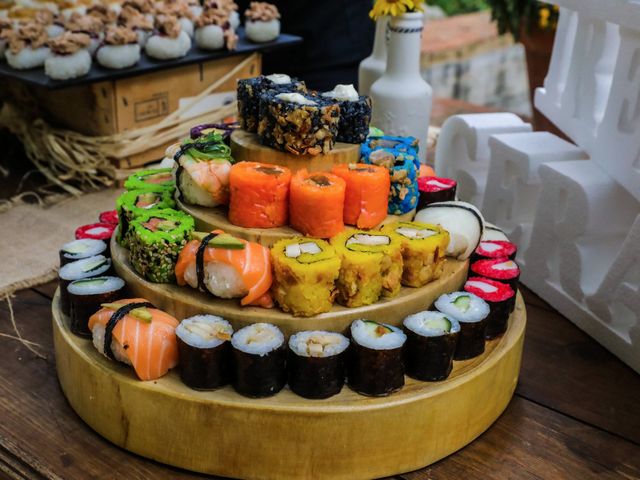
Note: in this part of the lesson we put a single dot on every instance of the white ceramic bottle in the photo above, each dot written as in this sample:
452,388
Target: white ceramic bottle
401,98
372,67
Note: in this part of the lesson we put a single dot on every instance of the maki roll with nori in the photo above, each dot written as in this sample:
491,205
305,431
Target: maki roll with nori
305,271
423,251
436,189
134,203
463,221
317,363
202,175
155,241
431,342
499,269
79,249
375,365
492,249
250,89
355,113
501,299
205,351
471,312
150,179
86,268
96,231
86,296
110,216
259,356
491,232
298,123
371,266
403,168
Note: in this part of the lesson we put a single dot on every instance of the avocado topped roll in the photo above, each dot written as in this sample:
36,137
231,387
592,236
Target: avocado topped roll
155,240
431,342
205,351
316,363
424,248
152,178
259,357
79,249
471,312
305,271
80,269
375,363
371,266
134,203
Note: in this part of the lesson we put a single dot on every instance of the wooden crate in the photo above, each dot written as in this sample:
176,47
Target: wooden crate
122,105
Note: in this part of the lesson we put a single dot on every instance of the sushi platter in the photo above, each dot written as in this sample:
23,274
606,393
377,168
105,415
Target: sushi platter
260,313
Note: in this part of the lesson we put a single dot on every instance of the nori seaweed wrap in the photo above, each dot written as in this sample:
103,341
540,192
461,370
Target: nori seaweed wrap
86,268
471,312
501,299
259,360
355,113
79,249
375,365
431,342
205,352
155,241
150,179
317,363
435,190
298,123
134,203
87,295
249,91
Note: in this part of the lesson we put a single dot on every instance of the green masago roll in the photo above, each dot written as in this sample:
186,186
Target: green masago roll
150,179
134,203
155,240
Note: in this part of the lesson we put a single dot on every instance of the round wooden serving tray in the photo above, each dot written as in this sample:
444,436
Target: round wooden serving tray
183,302
208,219
245,147
347,436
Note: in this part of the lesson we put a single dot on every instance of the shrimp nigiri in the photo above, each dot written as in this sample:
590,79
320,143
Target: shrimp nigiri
230,268
141,336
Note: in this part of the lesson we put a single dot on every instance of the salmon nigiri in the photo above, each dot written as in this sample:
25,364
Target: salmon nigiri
231,268
142,336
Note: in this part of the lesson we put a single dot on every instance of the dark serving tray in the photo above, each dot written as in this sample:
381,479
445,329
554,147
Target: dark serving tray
98,73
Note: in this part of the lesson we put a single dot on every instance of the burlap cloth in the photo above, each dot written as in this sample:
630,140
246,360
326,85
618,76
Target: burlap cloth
30,237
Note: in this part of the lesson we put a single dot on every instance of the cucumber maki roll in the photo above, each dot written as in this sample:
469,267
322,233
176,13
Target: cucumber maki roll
259,360
305,271
471,312
134,203
80,269
205,351
150,179
501,299
355,113
155,240
298,123
82,248
317,363
424,249
375,363
87,295
431,342
250,89
371,266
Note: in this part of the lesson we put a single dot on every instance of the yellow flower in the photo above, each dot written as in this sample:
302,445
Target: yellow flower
544,18
394,7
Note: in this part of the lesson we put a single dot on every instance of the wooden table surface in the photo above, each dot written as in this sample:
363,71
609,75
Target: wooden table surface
575,414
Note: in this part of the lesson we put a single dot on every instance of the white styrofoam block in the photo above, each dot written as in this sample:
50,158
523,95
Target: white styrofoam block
579,80
618,142
617,300
621,12
513,183
462,151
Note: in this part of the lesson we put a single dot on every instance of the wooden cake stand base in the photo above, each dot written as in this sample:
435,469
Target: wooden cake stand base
347,436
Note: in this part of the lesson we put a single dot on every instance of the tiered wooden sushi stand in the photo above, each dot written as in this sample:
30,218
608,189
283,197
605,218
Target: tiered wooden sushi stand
285,436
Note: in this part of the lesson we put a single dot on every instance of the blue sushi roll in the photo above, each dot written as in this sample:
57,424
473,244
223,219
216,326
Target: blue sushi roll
399,155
